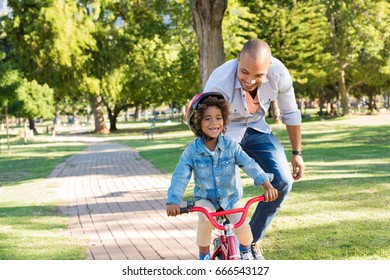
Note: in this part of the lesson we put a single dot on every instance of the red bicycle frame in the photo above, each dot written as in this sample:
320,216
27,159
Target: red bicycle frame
227,248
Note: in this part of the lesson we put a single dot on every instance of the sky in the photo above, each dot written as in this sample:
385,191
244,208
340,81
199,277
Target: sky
3,7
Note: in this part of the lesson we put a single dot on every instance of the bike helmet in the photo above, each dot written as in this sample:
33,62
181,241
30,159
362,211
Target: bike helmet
196,100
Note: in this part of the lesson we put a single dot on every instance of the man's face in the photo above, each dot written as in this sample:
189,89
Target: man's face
252,72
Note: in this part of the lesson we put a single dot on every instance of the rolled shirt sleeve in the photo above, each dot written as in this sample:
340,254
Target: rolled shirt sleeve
281,79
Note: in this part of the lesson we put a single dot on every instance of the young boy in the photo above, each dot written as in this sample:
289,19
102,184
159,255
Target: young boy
212,159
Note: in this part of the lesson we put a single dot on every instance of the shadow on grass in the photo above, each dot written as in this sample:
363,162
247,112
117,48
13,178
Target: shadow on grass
33,162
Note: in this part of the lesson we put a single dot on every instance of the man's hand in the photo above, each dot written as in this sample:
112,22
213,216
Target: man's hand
298,167
173,210
271,193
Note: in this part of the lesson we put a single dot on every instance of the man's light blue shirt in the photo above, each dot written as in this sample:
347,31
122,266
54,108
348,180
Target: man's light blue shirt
214,174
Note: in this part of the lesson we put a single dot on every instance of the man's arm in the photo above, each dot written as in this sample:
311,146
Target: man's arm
298,166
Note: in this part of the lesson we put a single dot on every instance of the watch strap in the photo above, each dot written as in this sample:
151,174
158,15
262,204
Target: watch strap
297,152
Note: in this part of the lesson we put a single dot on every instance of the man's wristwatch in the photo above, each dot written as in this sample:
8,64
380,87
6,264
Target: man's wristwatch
297,152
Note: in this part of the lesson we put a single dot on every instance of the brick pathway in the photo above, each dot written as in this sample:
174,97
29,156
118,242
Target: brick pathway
116,200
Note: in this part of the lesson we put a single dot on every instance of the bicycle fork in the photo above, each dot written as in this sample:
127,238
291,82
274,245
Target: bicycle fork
232,248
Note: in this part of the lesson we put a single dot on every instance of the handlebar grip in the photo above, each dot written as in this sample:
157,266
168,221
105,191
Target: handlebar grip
184,210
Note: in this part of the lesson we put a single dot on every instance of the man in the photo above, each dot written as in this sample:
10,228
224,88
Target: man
250,82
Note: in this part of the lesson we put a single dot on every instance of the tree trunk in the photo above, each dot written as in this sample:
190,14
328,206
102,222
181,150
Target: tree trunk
112,118
57,117
100,124
136,113
372,109
26,132
275,112
32,125
343,92
7,126
207,21
113,115
341,68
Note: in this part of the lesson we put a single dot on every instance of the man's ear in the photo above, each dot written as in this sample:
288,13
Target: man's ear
238,56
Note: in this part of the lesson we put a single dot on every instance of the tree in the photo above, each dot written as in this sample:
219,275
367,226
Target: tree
359,38
49,40
133,53
9,82
237,28
32,100
207,17
181,80
373,67
297,32
28,100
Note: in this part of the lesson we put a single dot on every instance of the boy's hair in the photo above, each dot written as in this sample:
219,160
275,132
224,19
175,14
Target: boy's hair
221,104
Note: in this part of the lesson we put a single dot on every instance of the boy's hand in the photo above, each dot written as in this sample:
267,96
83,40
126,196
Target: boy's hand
173,210
271,193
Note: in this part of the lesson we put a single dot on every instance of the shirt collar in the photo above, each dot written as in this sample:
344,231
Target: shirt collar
201,149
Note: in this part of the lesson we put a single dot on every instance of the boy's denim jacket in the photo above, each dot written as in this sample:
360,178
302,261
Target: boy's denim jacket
214,176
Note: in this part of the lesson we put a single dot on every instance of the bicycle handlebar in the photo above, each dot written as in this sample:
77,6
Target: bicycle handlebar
210,215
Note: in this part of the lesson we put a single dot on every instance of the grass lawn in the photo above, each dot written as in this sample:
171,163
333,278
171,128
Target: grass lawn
31,226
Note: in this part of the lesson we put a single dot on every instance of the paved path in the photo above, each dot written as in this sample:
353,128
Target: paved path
116,200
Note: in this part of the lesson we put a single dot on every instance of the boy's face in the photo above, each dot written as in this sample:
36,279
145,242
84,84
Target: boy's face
212,122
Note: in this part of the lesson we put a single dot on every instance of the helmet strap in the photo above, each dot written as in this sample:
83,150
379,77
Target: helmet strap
206,138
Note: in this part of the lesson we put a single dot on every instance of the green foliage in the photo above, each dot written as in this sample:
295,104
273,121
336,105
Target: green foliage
237,28
359,37
306,48
33,100
143,57
297,33
49,40
318,40
9,82
180,79
145,53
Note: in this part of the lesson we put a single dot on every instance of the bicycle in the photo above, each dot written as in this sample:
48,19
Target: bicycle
225,245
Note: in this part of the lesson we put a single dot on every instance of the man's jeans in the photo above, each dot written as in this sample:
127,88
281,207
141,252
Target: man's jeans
268,152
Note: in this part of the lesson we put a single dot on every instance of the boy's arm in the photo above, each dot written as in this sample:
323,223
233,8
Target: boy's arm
180,179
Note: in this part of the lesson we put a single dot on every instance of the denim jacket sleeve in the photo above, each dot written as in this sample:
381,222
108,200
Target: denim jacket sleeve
251,167
180,178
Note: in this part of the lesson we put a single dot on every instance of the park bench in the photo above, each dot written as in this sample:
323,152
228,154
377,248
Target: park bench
150,131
